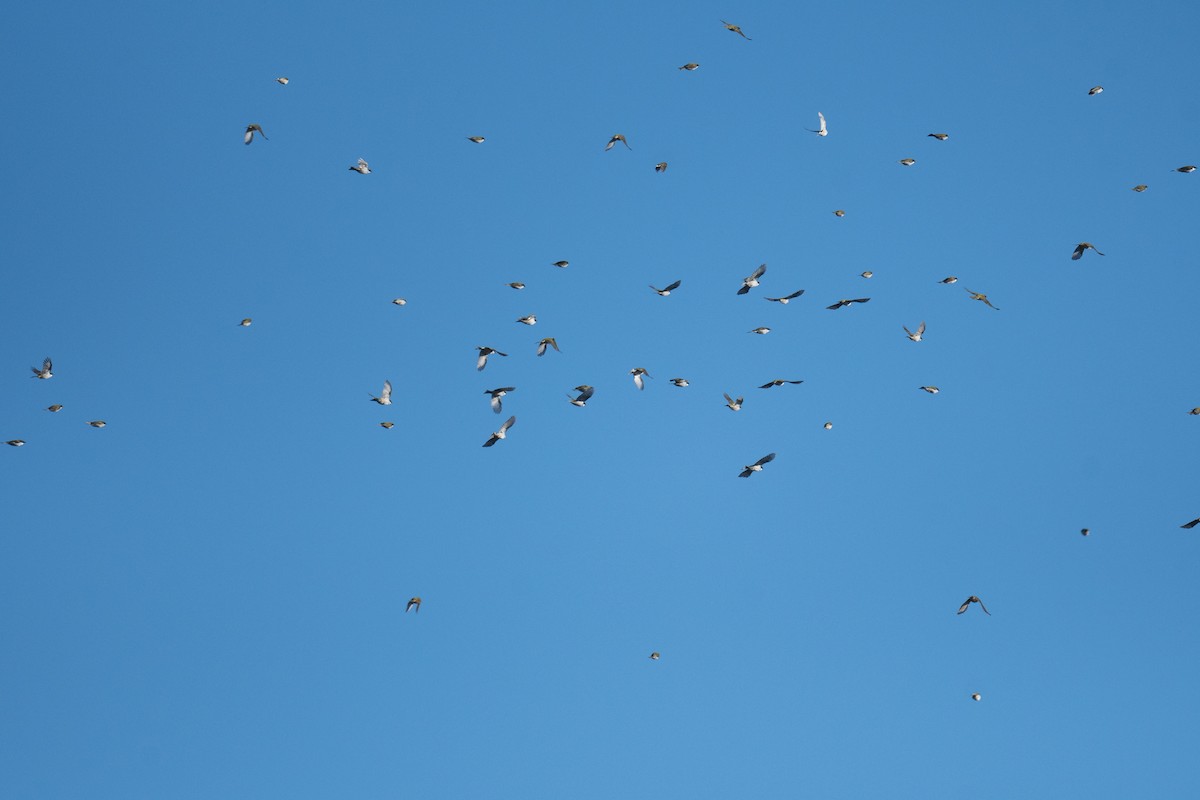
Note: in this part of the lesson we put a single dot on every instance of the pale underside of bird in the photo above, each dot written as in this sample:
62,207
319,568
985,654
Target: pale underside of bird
1083,247
246,323
501,433
949,279
1095,90
282,80
55,408
973,599
45,372
484,352
666,291
976,696
916,337
515,285
387,426
983,298
828,426
751,280
1085,531
822,128
361,167
1186,168
547,342
528,320
1195,411
757,466
760,331
844,303
637,373
251,129
655,656
930,389
787,298
496,394
561,264
1191,524
839,213
399,301
385,396
413,603
15,443
908,162
866,274
736,29
778,382
680,382
585,394
733,405
97,423
660,166
941,137
476,139
617,137
1141,187
691,66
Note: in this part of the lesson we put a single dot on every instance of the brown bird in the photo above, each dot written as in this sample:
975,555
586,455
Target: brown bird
97,423
691,66
251,129
516,285
950,279
973,599
246,322
930,389
561,264
1081,247
1195,412
660,166
282,81
413,603
908,162
983,298
941,137
45,373
1141,187
476,139
617,137
387,425
733,405
839,213
735,29
56,407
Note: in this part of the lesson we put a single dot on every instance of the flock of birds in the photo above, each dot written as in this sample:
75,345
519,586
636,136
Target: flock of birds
582,393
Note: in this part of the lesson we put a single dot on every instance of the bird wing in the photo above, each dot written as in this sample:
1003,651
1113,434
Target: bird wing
496,404
249,135
981,605
963,607
836,305
554,344
746,473
508,423
728,399
906,330
1078,254
491,441
921,327
758,273
822,118
1191,524
767,459
387,391
794,295
673,286
768,385
541,351
745,288
586,394
861,300
482,361
638,382
361,162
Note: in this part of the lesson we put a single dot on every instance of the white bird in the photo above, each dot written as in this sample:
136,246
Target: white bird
497,394
757,466
361,168
733,405
385,396
976,696
822,130
246,323
500,434
828,426
44,373
916,337
751,280
484,352
529,320
637,374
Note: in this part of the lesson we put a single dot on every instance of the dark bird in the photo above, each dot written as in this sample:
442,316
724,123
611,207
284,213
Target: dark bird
735,29
843,303
941,137
660,166
976,696
680,382
561,264
497,394
1191,524
973,599
666,292
778,382
45,372
637,373
1188,168
655,656
1085,531
983,298
547,342
500,434
387,426
930,389
413,603
839,213
246,323
251,129
484,352
617,137
751,280
585,394
1081,247
786,298
757,466
15,443
1194,412
733,405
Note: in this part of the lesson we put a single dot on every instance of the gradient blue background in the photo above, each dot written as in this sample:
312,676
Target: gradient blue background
205,599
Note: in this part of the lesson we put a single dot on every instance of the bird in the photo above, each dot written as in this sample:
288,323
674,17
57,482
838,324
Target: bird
680,382
55,408
839,213
1085,531
760,331
916,337
282,81
1081,247
387,425
757,466
1095,90
735,29
529,320
908,162
751,280
361,168
1141,187
828,426
778,382
950,279
399,301
15,443
691,66
561,264
976,696
660,166
616,137
733,405
585,394
822,128
1195,412
385,396
973,599
484,352
250,131
246,322
1187,168
655,656
515,285
786,298
413,603
843,303
497,394
930,389
666,292
983,298
1191,524
547,342
500,434
941,137
476,139
97,423
637,374
867,274
45,372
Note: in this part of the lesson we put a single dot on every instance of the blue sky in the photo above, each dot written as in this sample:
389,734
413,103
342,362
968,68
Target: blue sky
206,597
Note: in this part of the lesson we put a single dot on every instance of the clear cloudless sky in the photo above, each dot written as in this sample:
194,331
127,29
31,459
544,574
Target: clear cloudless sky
206,597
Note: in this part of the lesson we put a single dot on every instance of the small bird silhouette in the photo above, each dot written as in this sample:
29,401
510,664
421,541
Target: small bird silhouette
822,128
760,331
786,298
1191,524
246,323
547,342
399,301
983,298
930,389
385,396
516,285
387,425
251,129
691,66
916,337
666,292
735,29
282,81
529,320
976,696
908,162
751,280
476,139
97,423
1095,90
778,382
733,405
413,603
15,443
1141,187
617,137
839,213
561,264
1194,412
496,394
828,426
1081,248
867,274
1085,531
844,303
950,279
637,373
500,434
484,352
1188,168
757,466
45,372
55,408
585,394
660,166
680,382
361,168
655,656
941,137
973,599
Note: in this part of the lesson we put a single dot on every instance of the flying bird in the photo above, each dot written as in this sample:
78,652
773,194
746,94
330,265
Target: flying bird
655,656
916,337
387,425
666,292
757,466
1195,411
691,66
529,320
941,137
976,696
497,394
399,301
616,137
786,298
760,331
500,434
839,213
828,426
561,264
1095,90
735,29
516,285
55,408
950,279
778,382
983,298
547,342
973,599
484,352
733,405
822,128
44,373
385,396
680,382
1191,524
867,274
660,166
97,423
585,394
1081,248
843,303
413,603
1085,531
930,389
15,443
361,168
637,374
246,322
908,162
476,139
250,131
751,280
1141,187
1188,168
282,81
